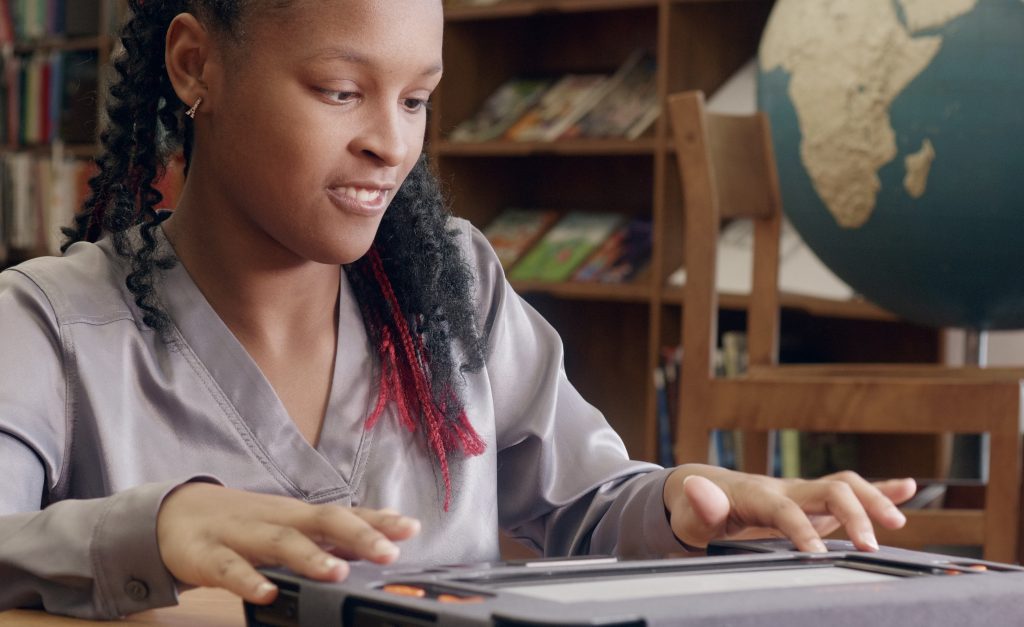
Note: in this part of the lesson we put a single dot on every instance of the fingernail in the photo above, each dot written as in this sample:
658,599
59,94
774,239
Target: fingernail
817,546
329,563
869,539
265,588
898,516
384,548
404,521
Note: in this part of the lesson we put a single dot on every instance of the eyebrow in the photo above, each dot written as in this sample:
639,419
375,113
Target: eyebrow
350,56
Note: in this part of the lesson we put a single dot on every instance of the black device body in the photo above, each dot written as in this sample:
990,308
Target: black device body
737,584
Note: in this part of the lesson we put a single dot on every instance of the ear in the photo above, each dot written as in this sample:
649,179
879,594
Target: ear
188,56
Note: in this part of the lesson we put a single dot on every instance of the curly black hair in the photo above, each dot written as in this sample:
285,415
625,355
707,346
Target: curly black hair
418,260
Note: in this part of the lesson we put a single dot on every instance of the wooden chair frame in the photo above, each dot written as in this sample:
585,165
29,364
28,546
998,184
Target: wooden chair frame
727,167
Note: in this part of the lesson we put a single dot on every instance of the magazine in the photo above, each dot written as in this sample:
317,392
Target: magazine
622,256
561,106
514,231
628,108
565,246
501,110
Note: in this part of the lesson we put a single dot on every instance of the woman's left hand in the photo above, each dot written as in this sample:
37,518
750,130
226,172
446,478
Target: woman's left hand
706,503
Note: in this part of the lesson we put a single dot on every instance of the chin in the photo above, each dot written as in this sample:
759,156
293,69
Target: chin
340,253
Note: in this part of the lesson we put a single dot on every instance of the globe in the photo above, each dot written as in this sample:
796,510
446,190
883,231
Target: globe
898,128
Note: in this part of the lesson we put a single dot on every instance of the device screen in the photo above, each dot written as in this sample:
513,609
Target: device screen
675,584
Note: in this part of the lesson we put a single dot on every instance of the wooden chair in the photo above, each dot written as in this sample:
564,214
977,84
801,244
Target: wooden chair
727,167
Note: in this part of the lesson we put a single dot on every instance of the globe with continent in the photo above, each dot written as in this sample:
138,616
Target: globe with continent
898,128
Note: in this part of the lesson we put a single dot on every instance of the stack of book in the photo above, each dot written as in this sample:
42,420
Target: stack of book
622,105
38,195
543,245
45,96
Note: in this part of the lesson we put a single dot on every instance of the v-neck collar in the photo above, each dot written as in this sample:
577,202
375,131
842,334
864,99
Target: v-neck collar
326,473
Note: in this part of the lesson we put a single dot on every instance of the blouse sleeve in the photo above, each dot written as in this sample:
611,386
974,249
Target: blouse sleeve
87,558
565,483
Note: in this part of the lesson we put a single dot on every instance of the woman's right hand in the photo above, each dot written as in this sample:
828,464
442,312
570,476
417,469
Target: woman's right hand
210,535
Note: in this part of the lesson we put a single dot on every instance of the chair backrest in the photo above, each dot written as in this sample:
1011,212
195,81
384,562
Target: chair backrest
727,167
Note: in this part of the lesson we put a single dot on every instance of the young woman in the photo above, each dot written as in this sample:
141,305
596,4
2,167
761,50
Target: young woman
308,345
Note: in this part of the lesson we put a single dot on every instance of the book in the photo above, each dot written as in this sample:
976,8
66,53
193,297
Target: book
560,107
514,231
629,106
622,256
565,246
501,110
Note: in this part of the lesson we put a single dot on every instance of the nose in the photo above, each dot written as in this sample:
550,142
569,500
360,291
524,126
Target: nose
383,136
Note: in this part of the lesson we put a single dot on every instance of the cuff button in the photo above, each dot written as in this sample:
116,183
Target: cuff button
136,590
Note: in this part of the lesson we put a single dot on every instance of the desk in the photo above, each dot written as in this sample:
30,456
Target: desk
207,607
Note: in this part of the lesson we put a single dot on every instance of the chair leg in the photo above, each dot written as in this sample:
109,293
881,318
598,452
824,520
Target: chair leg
1002,499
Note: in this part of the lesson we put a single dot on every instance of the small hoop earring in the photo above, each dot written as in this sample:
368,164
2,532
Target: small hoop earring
191,113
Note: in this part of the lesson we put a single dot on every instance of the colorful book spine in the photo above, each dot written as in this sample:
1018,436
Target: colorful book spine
49,96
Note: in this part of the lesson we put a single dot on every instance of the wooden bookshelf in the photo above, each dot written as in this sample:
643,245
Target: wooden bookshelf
613,333
101,42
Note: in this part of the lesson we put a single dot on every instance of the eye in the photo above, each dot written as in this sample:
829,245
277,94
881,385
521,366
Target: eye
339,97
415,105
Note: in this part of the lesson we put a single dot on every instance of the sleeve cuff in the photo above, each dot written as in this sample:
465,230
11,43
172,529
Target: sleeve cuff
659,540
130,575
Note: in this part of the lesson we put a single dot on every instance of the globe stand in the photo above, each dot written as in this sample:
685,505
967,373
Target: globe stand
969,458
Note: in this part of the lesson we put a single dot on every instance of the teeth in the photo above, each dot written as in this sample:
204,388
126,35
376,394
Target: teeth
362,195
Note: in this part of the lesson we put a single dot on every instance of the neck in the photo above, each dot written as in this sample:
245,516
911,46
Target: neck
261,290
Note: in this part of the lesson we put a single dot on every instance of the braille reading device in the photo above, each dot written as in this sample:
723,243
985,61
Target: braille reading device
763,582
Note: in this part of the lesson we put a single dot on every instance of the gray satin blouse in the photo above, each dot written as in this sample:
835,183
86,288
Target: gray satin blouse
100,418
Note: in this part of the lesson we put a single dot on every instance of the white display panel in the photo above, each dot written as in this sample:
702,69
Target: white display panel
637,587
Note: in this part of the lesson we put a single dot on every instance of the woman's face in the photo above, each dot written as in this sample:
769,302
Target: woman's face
318,116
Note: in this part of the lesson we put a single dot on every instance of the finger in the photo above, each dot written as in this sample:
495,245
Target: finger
785,515
897,490
389,522
349,533
878,498
222,567
840,500
704,513
824,524
267,544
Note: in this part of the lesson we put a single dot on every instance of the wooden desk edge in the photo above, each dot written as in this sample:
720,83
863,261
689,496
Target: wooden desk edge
205,606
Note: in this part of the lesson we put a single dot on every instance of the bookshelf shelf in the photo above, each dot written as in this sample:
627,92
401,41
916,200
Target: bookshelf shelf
99,42
624,292
80,151
611,147
521,8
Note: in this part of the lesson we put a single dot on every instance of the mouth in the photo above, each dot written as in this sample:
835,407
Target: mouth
363,201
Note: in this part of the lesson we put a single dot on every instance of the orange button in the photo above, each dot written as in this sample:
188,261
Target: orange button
980,567
451,598
404,590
